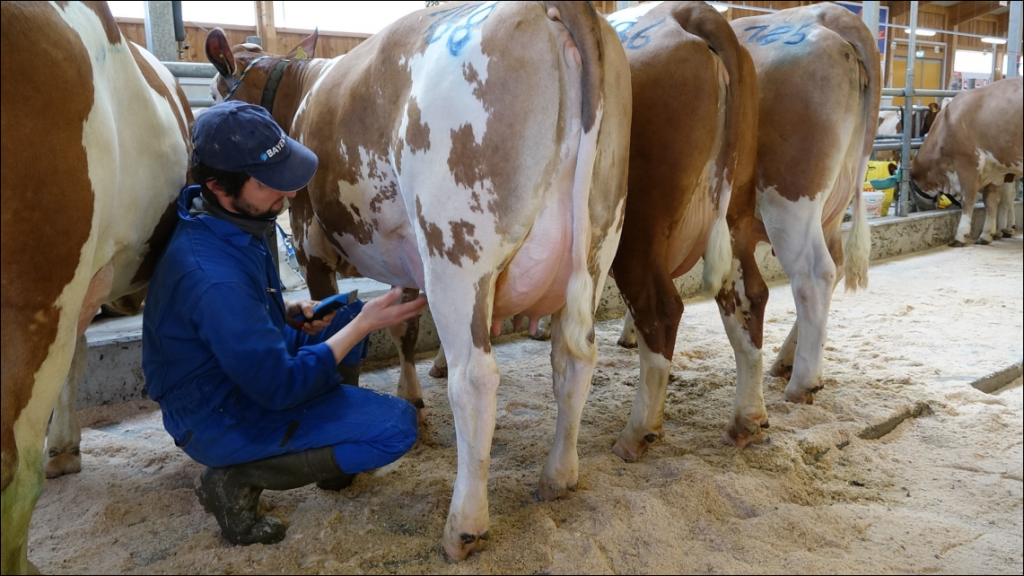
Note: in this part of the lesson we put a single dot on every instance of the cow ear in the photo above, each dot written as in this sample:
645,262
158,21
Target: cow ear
934,107
306,49
218,52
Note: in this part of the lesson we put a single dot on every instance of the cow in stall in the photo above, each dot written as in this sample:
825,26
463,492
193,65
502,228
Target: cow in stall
808,61
798,212
819,73
95,152
976,145
691,195
478,152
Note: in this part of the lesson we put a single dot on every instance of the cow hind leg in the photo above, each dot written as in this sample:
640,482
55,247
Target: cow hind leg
992,197
970,199
783,366
657,317
405,337
628,338
572,377
806,258
473,393
64,438
741,303
439,369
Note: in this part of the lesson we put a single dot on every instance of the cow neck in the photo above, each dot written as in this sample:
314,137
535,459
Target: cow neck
292,86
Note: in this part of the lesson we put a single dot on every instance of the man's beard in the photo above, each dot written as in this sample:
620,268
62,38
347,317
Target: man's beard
244,208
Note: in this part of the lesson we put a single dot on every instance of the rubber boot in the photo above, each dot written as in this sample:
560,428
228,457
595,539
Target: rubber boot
232,494
349,375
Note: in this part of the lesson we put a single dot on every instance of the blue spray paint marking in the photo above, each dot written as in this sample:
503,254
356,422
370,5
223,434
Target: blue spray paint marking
765,35
458,24
639,40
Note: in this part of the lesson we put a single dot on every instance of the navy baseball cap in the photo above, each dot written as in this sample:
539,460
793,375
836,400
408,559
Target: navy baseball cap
239,137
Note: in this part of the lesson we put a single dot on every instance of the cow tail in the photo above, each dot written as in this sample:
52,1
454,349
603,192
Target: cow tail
864,43
584,24
707,24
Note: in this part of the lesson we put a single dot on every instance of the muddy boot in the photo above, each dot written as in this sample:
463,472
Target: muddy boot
337,484
232,494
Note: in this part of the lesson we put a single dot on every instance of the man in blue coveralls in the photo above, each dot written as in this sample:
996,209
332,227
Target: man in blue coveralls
259,401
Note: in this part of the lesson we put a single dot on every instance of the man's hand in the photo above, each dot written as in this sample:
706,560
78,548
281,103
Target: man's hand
305,308
385,312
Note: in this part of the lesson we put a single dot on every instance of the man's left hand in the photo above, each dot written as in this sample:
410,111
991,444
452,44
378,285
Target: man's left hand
305,308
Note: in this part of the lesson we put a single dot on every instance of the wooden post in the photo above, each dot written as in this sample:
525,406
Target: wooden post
266,28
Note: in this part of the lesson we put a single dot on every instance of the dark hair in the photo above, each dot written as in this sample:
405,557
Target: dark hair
232,182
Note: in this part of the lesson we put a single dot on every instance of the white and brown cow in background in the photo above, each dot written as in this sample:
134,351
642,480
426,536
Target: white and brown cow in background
94,155
976,145
475,151
691,195
810,163
819,75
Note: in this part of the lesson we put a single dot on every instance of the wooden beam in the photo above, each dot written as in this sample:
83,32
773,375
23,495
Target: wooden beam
967,11
266,27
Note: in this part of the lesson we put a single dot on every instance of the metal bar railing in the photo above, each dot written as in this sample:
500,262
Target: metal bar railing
191,70
200,102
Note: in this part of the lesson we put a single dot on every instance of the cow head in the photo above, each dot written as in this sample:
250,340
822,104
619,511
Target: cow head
932,175
244,70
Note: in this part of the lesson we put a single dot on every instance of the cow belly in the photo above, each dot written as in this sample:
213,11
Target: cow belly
690,237
536,280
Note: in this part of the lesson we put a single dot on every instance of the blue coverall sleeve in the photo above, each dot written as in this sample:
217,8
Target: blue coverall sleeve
234,323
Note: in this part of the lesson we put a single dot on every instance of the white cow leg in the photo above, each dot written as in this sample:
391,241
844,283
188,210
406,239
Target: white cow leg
64,438
813,285
628,338
473,393
966,228
744,323
800,244
440,367
572,378
783,366
992,196
647,418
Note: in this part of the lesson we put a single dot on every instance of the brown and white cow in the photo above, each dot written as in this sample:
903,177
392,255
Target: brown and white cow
976,144
691,195
94,154
475,151
819,74
808,61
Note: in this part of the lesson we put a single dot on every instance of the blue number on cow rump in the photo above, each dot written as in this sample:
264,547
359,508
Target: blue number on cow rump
635,42
462,34
622,29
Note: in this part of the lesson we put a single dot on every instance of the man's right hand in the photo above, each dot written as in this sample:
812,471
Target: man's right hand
385,312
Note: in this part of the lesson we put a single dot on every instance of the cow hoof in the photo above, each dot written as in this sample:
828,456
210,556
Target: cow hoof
957,244
63,465
542,336
466,545
631,450
747,431
805,397
553,493
983,241
628,344
439,373
782,371
1007,234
